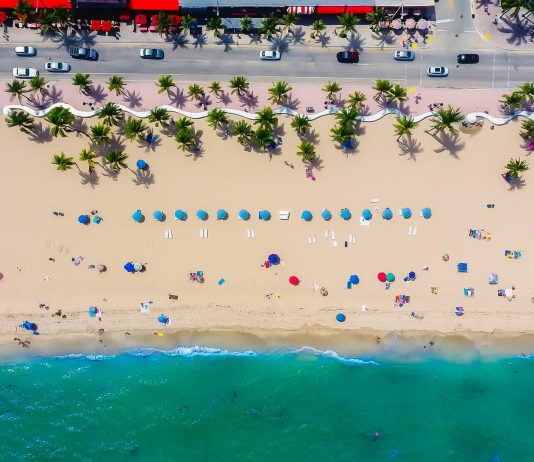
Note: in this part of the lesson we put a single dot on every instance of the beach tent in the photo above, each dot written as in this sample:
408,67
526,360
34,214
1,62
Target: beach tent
137,216
180,215
306,215
366,214
158,215
222,214
354,279
406,212
129,267
426,212
274,259
138,266
345,214
141,164
244,215
390,277
84,219
382,277
294,280
387,214
326,214
202,214
264,215
340,317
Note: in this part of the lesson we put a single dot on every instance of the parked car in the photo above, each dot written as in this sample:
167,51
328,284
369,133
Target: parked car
348,57
25,72
151,53
468,58
83,53
437,71
270,55
25,51
54,66
404,55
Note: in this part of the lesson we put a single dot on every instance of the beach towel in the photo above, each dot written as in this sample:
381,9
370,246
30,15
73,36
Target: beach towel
78,261
145,307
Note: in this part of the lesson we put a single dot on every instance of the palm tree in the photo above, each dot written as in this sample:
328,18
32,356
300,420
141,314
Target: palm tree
527,90
243,131
215,88
20,119
377,16
163,25
279,92
288,20
516,6
82,81
62,162
245,23
347,24
39,84
306,150
62,121
24,10
444,119
86,155
398,93
404,127
341,133
239,85
527,130
217,118
347,116
262,137
317,27
356,100
134,128
215,23
300,123
63,17
111,113
383,89
331,88
195,91
514,100
183,123
187,22
165,83
185,139
116,83
515,167
100,133
17,88
116,159
269,26
266,118
159,115
47,22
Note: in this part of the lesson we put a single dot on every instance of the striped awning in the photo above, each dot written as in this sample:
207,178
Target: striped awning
301,9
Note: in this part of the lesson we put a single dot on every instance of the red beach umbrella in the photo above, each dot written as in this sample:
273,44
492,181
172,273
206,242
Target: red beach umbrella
382,277
294,280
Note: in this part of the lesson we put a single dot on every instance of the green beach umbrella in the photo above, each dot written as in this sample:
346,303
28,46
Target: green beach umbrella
390,277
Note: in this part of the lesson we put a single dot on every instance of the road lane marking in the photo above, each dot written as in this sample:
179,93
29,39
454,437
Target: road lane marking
508,71
493,71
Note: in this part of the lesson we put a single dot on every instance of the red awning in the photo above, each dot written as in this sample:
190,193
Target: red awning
176,20
140,20
38,4
301,9
359,9
330,9
151,5
3,16
95,24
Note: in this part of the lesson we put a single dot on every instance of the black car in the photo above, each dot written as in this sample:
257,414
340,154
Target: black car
83,53
469,58
348,57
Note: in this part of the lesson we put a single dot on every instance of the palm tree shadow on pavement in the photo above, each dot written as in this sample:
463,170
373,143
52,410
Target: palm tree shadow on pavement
518,31
410,147
89,178
54,95
178,41
66,38
225,98
178,98
133,98
450,143
384,38
255,39
280,43
292,103
97,93
227,40
249,100
200,41
298,35
355,42
40,133
205,100
143,178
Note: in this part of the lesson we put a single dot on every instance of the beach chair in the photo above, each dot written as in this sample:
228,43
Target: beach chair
284,214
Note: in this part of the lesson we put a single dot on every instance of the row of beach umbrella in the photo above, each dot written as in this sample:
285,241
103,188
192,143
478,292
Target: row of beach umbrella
265,215
410,23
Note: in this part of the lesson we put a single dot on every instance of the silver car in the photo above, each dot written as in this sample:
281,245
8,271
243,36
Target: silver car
404,55
151,53
25,51
269,55
53,66
437,71
25,72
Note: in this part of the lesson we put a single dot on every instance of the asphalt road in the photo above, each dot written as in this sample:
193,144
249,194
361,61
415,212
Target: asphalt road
497,69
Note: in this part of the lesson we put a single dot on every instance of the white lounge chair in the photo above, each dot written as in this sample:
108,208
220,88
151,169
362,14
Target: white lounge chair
284,214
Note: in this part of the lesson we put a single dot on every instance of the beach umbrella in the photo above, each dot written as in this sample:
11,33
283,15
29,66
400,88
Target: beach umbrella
138,267
390,277
180,214
306,215
101,268
294,280
137,216
340,317
345,214
84,219
163,319
129,267
202,214
222,214
396,24
27,325
141,164
92,311
383,24
274,259
244,215
459,311
422,24
387,214
426,212
366,214
354,279
326,214
382,277
158,215
410,23
264,215
411,274
406,212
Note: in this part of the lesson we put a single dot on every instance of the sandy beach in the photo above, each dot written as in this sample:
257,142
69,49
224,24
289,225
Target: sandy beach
455,181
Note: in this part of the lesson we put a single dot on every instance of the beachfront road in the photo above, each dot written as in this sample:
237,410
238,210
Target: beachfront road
497,69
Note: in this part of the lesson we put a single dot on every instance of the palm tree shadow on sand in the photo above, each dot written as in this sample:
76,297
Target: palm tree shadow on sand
89,178
40,133
410,147
150,147
316,163
516,183
143,178
450,143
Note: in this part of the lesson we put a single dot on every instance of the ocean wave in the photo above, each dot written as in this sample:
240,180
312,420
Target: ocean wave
84,356
331,354
189,351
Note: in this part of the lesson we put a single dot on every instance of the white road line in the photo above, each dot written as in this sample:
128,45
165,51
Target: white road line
508,71
405,74
493,71
441,21
420,69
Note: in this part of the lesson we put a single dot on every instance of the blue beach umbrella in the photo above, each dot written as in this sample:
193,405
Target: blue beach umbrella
180,214
158,215
366,214
202,214
129,267
427,212
141,164
264,215
345,214
326,214
306,215
244,215
406,212
222,214
354,279
411,274
84,219
340,317
27,325
387,214
274,259
137,216
163,319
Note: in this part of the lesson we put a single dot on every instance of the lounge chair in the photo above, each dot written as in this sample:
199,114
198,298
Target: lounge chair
284,214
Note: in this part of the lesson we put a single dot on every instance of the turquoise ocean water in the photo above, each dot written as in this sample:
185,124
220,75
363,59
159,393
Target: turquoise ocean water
195,404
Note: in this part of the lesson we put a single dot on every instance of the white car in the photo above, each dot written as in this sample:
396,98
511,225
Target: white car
25,72
404,55
25,51
53,66
437,71
269,55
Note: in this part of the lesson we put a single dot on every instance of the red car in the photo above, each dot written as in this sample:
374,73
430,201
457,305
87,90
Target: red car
348,57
